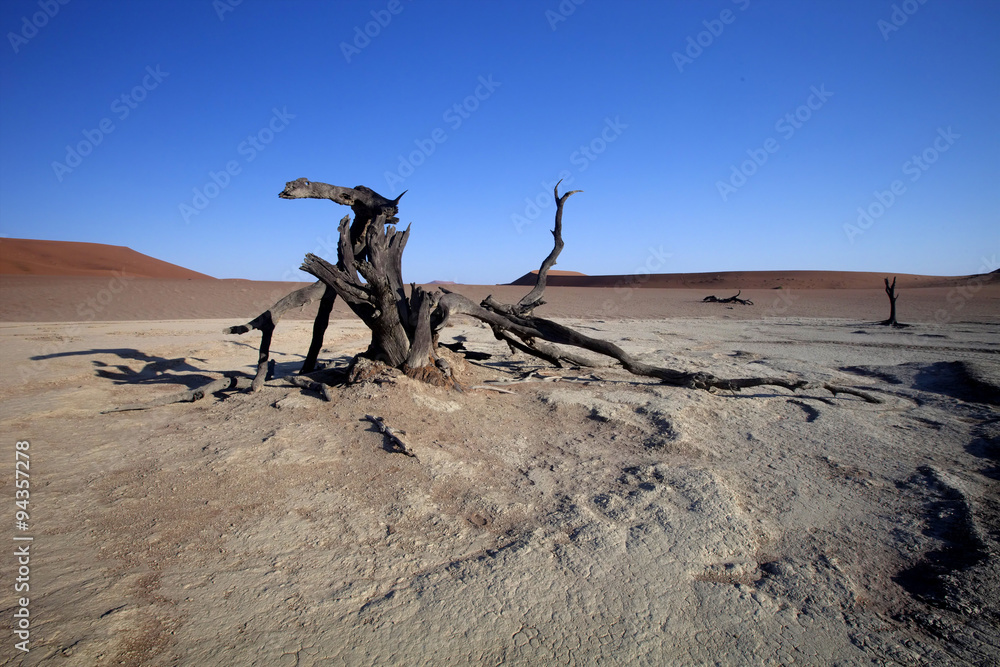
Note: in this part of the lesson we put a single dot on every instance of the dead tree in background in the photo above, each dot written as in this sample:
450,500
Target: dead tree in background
733,299
890,291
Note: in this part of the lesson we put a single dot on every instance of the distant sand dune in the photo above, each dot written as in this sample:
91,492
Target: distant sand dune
28,257
67,258
752,280
53,281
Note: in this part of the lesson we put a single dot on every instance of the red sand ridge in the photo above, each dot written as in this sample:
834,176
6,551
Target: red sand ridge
28,257
748,280
531,277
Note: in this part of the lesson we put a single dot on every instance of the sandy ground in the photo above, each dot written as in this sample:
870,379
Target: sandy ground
600,518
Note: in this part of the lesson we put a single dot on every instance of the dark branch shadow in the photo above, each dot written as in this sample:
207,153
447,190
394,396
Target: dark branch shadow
157,370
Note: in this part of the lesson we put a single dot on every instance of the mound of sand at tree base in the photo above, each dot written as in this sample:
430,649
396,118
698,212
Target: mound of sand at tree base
601,518
31,257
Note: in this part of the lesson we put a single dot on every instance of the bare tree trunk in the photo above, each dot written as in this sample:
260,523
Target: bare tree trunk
890,291
368,277
533,299
367,206
319,330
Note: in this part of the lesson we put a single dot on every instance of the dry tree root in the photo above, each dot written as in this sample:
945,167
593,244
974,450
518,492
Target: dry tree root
268,320
321,388
224,384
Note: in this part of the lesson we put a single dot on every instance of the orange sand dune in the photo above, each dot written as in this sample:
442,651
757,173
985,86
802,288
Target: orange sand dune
68,258
736,280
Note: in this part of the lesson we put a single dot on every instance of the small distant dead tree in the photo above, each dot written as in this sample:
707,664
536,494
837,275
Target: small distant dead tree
405,324
890,291
733,299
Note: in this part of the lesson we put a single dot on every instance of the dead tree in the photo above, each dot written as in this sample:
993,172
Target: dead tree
405,323
367,206
405,327
890,291
733,299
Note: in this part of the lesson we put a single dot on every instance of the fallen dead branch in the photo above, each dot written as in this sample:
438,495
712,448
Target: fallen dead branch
535,376
392,434
319,387
836,389
733,299
492,388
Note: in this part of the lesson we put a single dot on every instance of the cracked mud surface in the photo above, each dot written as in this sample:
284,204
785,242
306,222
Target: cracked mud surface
612,522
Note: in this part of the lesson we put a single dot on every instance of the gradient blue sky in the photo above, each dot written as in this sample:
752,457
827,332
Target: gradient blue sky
598,94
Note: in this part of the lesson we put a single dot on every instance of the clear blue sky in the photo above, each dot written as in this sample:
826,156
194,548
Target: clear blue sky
707,136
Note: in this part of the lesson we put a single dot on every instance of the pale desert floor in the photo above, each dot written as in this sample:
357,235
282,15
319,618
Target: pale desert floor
600,519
